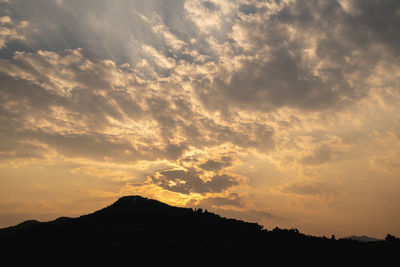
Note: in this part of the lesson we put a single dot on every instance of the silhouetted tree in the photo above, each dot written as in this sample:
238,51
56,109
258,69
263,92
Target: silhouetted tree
391,238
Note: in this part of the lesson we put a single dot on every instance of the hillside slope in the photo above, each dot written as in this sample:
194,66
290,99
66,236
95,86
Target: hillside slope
139,228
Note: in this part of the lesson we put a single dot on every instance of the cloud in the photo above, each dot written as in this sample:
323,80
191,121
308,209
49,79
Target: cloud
92,108
215,97
385,158
191,181
320,188
264,57
210,6
216,165
321,155
233,205
248,9
304,55
253,215
231,200
11,31
388,164
48,99
104,173
21,150
122,31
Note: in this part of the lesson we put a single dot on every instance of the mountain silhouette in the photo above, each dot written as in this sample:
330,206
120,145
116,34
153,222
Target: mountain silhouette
362,238
136,228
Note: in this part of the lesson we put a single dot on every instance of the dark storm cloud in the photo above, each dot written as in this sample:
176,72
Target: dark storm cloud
190,182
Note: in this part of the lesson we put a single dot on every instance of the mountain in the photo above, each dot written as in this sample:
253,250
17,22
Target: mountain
134,229
362,238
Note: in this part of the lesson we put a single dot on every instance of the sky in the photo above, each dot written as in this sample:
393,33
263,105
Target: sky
281,112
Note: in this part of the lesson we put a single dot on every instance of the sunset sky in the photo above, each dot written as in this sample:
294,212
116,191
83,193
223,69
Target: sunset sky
281,112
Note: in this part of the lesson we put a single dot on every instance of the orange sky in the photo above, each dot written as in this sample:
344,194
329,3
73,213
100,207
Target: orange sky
281,112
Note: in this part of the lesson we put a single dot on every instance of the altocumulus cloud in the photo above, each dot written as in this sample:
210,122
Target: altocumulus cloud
127,82
304,54
187,181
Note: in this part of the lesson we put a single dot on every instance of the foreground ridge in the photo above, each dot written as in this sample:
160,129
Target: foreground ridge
135,226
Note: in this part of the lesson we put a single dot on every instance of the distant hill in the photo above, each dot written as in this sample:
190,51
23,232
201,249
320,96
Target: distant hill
363,238
136,228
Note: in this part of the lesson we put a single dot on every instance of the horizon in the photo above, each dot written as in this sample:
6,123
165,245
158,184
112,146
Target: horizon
203,210
280,112
194,209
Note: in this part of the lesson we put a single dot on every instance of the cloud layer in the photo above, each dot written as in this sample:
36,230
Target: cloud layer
229,104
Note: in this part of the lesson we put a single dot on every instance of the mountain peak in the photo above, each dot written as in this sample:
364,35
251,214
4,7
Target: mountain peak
138,227
131,199
134,204
135,201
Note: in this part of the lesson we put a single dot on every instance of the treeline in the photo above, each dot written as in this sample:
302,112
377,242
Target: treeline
136,228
